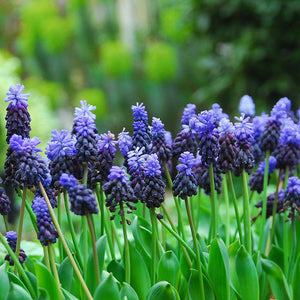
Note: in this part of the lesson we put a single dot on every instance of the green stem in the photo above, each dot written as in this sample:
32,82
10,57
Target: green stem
154,237
73,234
285,227
60,247
144,210
235,205
102,212
227,239
31,215
46,257
178,237
22,210
264,204
247,219
5,223
272,234
95,253
286,177
213,223
291,265
18,266
201,286
61,235
55,271
126,245
174,230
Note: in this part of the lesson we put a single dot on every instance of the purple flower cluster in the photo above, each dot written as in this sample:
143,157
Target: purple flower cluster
12,238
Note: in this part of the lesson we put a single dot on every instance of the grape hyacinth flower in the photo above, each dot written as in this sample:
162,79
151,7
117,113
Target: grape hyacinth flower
46,231
247,106
62,155
270,203
259,124
184,141
104,159
217,112
124,142
118,190
256,180
288,151
244,138
204,125
17,117
159,145
292,195
82,200
154,188
227,153
141,131
185,183
136,160
29,167
11,238
4,202
188,112
201,172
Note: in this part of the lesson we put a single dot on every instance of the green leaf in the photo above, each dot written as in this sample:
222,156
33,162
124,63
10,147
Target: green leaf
234,281
128,291
46,281
117,270
218,268
193,285
276,254
247,275
183,288
168,268
68,295
277,280
4,282
65,273
295,280
163,290
142,232
107,289
91,279
17,292
14,279
33,280
139,275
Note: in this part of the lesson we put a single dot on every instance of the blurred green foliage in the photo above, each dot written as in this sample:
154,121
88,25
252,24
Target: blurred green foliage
163,53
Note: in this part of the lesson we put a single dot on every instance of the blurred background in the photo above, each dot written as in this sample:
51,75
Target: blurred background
164,53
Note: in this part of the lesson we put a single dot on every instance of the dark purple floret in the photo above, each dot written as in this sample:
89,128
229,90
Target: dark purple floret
184,141
82,200
124,141
288,151
201,172
136,160
154,188
11,238
17,116
29,168
292,194
159,145
4,203
247,106
87,148
270,203
141,136
204,125
51,193
46,231
188,112
227,153
99,170
118,191
256,180
185,183
270,136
